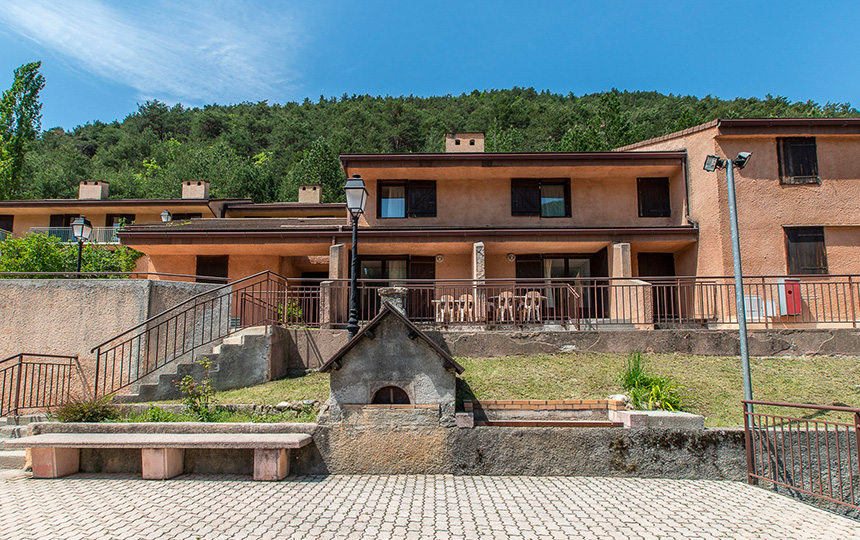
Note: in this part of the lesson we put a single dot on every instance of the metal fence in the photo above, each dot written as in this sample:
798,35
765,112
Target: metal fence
177,332
813,456
36,381
99,235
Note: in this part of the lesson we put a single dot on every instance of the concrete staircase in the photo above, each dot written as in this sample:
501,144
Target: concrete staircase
13,428
241,359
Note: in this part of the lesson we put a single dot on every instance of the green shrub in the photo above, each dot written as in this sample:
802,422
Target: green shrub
650,391
198,395
154,413
87,410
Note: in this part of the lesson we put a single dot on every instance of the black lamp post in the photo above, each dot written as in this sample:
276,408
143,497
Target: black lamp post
356,199
81,229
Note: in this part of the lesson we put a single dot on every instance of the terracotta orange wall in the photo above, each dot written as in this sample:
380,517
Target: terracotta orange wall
765,207
601,196
843,253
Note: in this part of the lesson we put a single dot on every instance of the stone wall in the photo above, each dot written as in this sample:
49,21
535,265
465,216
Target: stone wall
310,347
716,454
71,316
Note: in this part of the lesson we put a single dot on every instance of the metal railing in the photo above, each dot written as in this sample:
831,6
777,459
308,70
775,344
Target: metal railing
100,235
179,331
813,456
36,381
101,275
4,234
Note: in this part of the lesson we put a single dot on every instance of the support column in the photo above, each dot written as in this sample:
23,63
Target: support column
55,462
630,300
161,463
271,465
338,290
621,265
479,274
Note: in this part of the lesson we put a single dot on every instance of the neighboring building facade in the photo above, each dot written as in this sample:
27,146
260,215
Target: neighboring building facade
798,198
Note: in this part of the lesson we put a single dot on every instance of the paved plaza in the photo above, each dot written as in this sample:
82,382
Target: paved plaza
217,507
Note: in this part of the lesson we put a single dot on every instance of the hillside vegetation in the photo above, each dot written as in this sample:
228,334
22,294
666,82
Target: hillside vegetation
265,151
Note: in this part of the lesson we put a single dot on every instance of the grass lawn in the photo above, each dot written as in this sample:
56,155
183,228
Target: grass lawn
713,385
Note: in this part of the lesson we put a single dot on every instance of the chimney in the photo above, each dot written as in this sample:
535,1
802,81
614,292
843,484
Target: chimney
464,142
195,189
311,194
93,190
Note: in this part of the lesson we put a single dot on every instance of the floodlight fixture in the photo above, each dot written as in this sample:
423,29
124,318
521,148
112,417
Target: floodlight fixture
166,217
741,160
713,163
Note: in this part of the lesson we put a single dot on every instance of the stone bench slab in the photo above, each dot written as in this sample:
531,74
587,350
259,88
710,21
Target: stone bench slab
162,440
162,454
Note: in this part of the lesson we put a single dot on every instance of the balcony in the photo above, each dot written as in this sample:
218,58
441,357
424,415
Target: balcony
100,235
4,234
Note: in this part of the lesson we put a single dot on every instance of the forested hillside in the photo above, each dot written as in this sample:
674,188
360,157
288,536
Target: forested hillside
264,151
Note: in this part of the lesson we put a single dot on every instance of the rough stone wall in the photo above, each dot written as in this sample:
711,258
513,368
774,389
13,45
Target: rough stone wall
715,454
309,347
392,358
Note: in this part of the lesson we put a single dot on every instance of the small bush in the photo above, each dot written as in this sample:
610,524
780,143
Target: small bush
198,395
154,413
87,410
650,391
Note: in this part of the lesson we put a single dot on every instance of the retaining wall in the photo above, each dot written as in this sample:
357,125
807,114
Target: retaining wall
71,316
308,348
716,454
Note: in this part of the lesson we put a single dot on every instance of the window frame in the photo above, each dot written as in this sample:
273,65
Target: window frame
793,266
408,210
651,181
521,183
785,179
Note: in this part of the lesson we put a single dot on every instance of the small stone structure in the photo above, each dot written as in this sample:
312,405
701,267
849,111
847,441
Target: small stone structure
392,373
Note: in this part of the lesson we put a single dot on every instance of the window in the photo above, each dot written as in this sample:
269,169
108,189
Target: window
6,222
798,160
804,247
115,220
654,197
212,267
538,197
187,216
402,198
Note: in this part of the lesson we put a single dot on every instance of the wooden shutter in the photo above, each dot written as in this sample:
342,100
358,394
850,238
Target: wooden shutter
654,197
798,160
422,198
806,251
212,266
525,197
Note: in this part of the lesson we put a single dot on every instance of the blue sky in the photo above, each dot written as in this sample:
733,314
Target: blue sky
101,58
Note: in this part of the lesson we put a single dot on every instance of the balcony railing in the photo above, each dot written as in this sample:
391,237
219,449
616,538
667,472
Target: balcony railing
598,302
4,234
100,235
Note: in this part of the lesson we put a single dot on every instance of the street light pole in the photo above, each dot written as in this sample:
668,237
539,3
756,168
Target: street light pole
356,199
352,324
81,229
713,163
739,284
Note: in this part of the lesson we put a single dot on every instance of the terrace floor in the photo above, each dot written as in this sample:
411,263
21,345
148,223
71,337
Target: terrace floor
405,507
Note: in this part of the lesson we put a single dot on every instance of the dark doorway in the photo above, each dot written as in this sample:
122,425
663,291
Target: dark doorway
390,395
665,291
419,297
306,299
212,266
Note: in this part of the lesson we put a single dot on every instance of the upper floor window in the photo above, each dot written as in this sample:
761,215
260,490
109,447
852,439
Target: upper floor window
187,216
6,222
406,198
654,197
805,251
117,220
798,160
540,197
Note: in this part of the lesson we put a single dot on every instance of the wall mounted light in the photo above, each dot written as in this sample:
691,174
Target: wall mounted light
440,258
512,257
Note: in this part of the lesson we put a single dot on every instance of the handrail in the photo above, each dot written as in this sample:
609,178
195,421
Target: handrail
36,383
192,299
802,405
40,355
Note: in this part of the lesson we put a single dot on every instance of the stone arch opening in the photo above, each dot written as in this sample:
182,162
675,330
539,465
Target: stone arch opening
390,395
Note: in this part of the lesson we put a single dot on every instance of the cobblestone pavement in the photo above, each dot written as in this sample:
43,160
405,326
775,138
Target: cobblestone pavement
467,507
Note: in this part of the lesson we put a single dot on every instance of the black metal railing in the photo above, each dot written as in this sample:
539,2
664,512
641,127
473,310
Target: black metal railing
37,381
179,331
812,456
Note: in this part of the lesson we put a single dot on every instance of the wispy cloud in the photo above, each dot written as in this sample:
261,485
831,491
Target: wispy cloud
195,52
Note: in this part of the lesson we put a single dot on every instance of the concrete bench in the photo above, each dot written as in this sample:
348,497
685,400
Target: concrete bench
162,454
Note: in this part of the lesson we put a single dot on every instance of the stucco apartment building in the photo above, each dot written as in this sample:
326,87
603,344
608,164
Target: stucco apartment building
641,234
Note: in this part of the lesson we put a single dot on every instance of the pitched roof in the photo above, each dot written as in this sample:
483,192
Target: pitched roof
367,332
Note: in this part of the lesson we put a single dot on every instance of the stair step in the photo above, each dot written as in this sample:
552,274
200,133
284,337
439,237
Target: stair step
24,419
12,432
12,459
